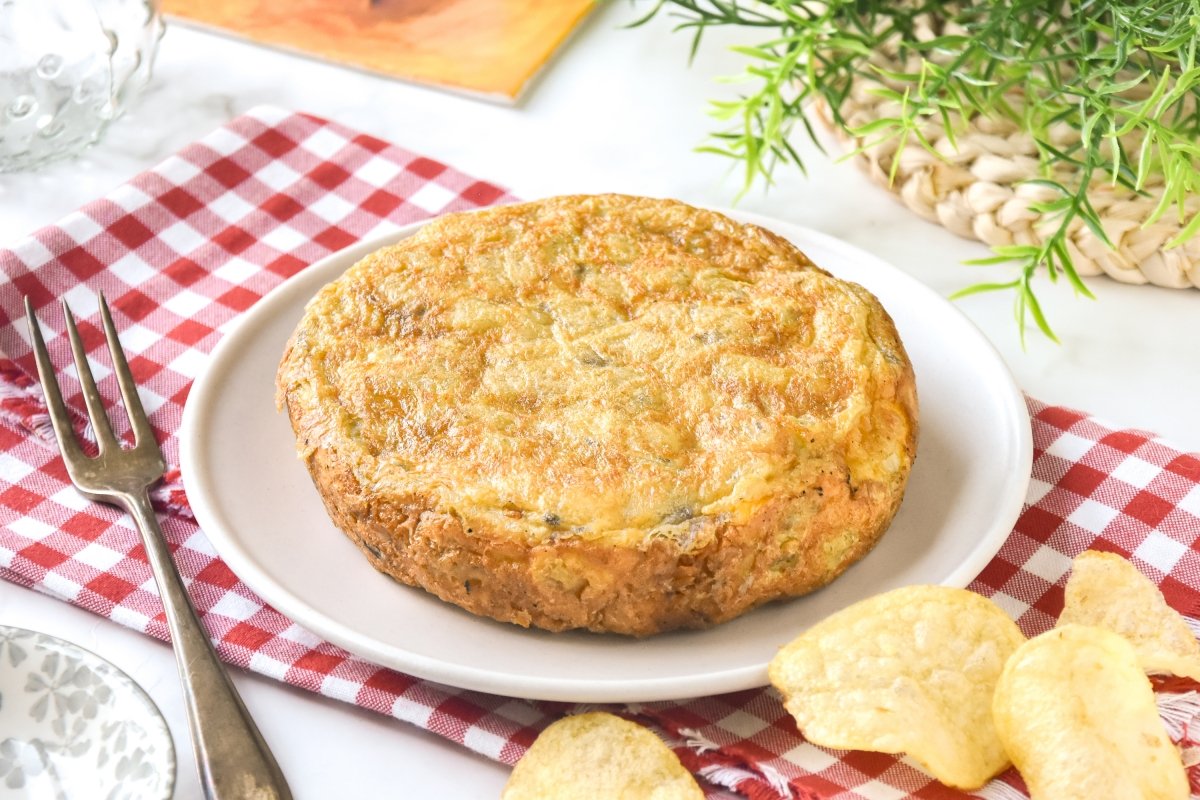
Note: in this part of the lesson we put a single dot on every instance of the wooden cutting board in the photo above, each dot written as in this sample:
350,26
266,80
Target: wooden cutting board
488,47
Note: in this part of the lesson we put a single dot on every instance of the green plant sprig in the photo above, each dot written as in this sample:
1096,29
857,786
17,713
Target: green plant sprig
1120,77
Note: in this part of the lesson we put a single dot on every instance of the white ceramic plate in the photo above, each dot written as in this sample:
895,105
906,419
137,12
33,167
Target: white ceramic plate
72,725
255,501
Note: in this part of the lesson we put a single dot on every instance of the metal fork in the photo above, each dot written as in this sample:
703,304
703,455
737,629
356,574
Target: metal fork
233,759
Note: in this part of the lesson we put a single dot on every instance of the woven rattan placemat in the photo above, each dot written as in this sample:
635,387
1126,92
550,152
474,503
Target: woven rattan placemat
976,185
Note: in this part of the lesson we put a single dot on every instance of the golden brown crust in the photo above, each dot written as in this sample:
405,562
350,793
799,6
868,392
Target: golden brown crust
703,423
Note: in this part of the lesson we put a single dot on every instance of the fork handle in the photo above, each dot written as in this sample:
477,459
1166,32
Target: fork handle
234,760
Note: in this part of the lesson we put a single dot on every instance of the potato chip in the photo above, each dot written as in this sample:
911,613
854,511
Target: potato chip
599,755
1107,591
909,671
1077,715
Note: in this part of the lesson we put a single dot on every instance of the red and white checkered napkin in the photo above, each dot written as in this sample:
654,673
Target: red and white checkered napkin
182,250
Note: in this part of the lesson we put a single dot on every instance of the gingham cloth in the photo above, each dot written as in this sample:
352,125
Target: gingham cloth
184,249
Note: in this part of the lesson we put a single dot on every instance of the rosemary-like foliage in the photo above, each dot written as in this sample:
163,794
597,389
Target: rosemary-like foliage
1121,75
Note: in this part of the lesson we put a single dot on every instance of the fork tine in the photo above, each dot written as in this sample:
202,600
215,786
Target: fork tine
91,395
142,431
59,418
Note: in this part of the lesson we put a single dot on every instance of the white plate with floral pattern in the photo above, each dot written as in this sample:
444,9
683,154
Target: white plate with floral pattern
72,725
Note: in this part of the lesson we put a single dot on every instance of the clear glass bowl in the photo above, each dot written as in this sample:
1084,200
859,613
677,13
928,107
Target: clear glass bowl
67,69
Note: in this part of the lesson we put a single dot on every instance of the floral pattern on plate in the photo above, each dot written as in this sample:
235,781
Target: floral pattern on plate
72,725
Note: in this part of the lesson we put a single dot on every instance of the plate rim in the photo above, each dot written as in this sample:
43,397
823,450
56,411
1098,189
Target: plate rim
212,522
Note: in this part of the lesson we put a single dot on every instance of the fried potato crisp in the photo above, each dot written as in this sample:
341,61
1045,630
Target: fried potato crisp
1077,715
599,755
908,671
1107,591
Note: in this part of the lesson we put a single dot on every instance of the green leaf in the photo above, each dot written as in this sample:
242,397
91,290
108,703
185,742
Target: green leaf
1123,86
988,261
1091,219
1012,251
980,288
1185,234
973,80
651,14
718,151
1057,252
882,123
947,42
1049,184
1051,207
1035,310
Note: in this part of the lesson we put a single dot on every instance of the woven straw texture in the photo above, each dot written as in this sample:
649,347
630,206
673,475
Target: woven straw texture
975,186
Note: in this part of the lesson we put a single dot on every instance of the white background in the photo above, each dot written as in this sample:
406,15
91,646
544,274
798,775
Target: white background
616,110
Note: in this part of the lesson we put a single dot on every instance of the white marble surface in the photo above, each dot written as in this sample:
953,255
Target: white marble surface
618,110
